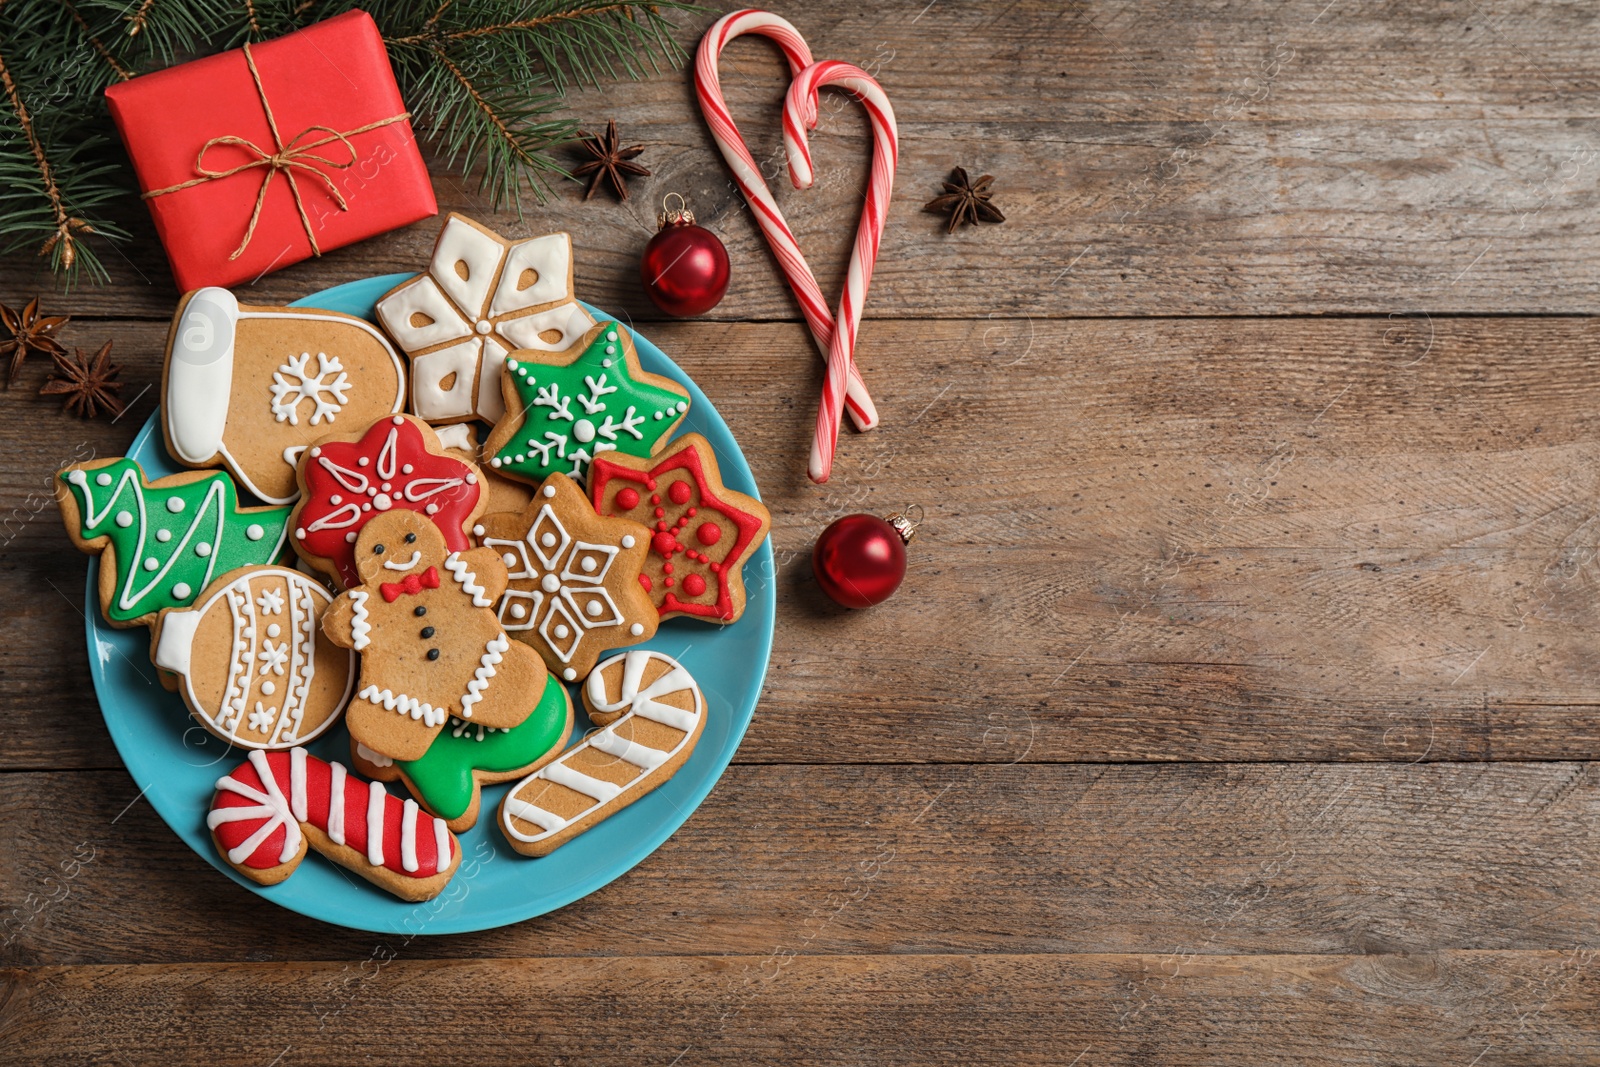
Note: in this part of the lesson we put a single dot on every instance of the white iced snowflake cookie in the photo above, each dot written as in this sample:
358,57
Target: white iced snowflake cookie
480,298
249,388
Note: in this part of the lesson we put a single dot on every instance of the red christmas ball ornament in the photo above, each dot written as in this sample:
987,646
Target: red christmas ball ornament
685,267
860,560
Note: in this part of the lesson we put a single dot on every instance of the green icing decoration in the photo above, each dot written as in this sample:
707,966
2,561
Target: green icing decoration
443,776
170,540
590,406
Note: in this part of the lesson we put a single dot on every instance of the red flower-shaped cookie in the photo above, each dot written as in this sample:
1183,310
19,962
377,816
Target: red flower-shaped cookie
702,532
397,462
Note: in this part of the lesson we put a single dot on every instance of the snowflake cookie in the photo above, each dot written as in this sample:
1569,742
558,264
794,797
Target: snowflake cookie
481,297
561,413
249,388
574,590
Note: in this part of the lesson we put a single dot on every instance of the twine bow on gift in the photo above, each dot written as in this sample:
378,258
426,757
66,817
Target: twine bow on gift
288,158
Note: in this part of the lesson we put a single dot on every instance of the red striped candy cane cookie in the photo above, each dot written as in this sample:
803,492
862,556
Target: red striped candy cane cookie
268,810
753,187
652,713
800,115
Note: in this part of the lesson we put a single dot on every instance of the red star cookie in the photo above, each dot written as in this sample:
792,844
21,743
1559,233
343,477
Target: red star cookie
702,532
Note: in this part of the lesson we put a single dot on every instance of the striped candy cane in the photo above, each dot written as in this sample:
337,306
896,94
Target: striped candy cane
800,115
708,88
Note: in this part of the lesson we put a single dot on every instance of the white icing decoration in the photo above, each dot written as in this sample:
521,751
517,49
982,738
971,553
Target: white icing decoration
627,541
202,550
636,629
175,504
273,630
124,519
102,478
391,565
492,655
633,701
441,846
297,784
161,535
572,585
470,323
467,580
327,396
426,713
270,602
360,627
336,803
270,805
377,759
181,591
375,799
408,836
200,375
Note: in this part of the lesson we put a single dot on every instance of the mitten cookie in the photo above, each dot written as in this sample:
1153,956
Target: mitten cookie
422,619
481,297
248,388
703,532
652,713
562,412
255,667
268,810
395,464
574,588
161,542
449,777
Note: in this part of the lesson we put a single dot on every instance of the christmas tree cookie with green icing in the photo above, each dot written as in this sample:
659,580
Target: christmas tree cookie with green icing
449,777
161,542
562,412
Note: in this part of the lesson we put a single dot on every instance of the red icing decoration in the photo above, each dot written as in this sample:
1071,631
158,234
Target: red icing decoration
666,543
628,499
438,480
694,585
319,780
644,580
708,534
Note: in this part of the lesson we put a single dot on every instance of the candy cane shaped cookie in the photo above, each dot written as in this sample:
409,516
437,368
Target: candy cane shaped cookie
800,115
753,187
652,713
267,811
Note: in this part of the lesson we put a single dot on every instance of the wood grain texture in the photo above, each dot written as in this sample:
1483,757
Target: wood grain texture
1498,1008
1204,858
1192,159
1223,539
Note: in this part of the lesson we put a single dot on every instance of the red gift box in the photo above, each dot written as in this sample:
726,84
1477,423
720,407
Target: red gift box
258,158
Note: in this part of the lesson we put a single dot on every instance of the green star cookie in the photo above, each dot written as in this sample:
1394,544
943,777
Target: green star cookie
560,416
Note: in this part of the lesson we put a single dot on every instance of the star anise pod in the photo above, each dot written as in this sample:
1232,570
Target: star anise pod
88,382
30,332
610,163
965,200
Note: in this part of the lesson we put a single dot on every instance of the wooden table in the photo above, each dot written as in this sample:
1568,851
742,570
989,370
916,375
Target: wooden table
1239,706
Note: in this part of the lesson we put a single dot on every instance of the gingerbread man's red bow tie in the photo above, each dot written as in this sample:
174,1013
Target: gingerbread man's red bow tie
411,583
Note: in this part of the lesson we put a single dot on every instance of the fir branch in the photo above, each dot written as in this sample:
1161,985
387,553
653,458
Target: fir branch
62,243
100,49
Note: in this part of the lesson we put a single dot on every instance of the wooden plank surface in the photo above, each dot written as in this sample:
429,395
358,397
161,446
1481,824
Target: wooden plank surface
1240,705
1192,159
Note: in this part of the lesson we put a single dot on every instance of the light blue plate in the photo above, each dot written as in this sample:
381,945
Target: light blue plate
177,763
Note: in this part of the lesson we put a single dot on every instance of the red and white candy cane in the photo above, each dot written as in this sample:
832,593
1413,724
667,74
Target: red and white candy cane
753,187
800,115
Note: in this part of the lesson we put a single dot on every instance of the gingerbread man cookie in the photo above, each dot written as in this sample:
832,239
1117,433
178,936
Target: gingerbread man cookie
397,463
422,619
702,531
574,588
480,298
248,388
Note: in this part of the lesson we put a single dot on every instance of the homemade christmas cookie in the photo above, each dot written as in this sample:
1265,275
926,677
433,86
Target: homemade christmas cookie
563,412
652,713
574,589
449,777
480,298
397,463
248,388
268,810
255,667
702,531
422,619
161,542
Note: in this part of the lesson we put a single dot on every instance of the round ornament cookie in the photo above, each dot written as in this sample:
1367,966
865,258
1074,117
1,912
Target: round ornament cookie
481,297
396,464
562,412
651,713
249,388
253,664
448,780
573,589
702,533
